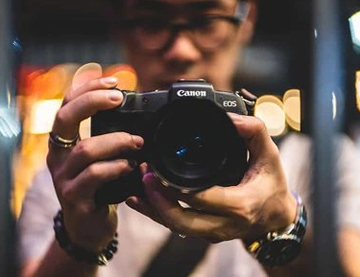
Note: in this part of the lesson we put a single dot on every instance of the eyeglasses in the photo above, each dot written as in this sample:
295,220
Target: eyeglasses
208,33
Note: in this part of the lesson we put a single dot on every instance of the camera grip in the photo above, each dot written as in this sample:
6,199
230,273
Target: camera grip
119,190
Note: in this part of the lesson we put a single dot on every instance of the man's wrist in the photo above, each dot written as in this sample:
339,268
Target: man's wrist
279,247
79,253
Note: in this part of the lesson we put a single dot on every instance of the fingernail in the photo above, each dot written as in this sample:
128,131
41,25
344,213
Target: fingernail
149,178
115,95
139,141
109,81
131,202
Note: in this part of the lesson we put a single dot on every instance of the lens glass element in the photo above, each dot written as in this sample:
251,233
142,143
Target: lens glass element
190,142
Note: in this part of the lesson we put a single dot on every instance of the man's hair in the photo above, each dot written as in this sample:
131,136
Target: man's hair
119,4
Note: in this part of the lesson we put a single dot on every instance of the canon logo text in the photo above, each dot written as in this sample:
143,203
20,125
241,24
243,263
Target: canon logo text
197,93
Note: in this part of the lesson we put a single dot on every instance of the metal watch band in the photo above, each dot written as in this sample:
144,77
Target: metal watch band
277,248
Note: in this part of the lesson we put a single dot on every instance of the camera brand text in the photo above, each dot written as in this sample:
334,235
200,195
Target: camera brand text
198,93
229,104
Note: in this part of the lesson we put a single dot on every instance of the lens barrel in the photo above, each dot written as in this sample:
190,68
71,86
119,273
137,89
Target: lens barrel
192,143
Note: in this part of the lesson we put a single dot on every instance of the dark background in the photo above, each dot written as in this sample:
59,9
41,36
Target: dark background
278,59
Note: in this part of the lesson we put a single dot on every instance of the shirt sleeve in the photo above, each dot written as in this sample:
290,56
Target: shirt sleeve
35,224
296,153
348,183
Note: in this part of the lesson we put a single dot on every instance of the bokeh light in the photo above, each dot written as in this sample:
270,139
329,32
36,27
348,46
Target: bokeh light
126,75
270,109
42,115
292,108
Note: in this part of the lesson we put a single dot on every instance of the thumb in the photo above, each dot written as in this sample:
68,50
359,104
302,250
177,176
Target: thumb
257,138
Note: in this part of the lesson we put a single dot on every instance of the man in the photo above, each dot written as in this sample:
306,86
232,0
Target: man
168,40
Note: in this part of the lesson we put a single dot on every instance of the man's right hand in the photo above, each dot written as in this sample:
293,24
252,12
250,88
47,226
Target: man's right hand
80,170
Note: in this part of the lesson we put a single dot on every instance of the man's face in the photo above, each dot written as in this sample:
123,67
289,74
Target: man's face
170,41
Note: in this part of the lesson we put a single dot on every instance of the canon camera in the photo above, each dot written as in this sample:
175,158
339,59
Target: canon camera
190,143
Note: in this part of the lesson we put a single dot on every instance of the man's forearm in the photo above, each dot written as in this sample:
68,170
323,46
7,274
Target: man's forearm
56,263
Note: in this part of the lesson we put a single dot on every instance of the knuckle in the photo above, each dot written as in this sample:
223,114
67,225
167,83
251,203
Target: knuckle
83,149
93,172
174,225
61,117
68,96
67,195
126,139
124,166
90,96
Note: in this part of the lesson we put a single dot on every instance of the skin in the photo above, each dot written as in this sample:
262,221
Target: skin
259,203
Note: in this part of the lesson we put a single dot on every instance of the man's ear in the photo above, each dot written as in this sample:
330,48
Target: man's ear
247,27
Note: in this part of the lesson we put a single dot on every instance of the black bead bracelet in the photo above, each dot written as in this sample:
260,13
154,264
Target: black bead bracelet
79,253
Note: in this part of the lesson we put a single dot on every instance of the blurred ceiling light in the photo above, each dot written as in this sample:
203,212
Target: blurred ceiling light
270,109
334,104
125,74
354,22
292,108
42,115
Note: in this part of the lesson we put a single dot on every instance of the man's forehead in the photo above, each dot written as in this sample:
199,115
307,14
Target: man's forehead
175,4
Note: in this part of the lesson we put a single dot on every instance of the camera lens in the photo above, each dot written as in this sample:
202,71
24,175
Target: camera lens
190,144
190,150
193,151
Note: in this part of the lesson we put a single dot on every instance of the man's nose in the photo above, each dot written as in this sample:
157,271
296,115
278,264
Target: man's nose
182,49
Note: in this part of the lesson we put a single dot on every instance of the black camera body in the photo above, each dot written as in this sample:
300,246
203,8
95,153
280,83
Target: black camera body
190,143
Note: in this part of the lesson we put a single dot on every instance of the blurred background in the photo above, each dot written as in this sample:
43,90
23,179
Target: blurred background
58,37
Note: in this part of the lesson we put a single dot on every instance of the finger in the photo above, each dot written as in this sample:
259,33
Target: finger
217,200
113,145
92,178
142,206
94,84
144,168
258,140
68,118
184,221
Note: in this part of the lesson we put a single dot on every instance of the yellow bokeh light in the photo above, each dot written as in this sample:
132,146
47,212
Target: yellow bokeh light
51,84
42,116
85,73
270,110
292,108
127,80
126,75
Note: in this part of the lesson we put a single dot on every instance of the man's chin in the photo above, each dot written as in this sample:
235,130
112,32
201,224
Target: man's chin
166,83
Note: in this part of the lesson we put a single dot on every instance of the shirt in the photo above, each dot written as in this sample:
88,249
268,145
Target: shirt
140,237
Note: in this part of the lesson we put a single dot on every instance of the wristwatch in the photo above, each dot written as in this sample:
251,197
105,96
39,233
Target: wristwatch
278,248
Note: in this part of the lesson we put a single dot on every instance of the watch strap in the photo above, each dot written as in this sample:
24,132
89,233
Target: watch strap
277,248
79,253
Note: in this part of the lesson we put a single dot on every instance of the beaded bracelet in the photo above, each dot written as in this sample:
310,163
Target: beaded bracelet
79,253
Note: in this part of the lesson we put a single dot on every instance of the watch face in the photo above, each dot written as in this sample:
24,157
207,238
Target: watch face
278,252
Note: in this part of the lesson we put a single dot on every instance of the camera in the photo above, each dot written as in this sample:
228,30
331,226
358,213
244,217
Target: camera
190,143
